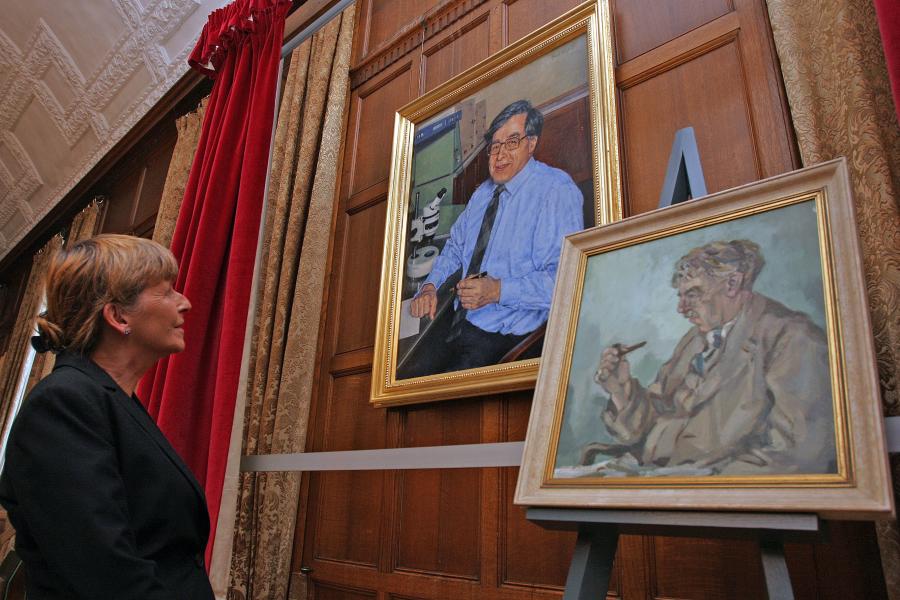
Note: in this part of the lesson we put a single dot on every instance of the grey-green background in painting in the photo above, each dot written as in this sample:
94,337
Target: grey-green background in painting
628,298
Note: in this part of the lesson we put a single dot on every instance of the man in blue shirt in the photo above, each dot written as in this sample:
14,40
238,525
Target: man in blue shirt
506,243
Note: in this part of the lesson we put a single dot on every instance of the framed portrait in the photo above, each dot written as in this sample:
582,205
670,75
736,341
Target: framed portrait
715,355
489,172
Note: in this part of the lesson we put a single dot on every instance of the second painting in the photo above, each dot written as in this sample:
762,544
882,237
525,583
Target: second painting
490,172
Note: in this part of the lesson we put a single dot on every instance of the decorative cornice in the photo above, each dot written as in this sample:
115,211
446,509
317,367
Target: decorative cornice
147,28
411,37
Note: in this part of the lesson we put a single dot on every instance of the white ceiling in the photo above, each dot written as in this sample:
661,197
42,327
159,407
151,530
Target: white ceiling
75,77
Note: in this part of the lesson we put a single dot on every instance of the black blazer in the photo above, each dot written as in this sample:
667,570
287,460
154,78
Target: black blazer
102,505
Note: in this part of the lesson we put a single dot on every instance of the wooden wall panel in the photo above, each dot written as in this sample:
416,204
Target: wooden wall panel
386,18
373,112
520,564
357,309
156,168
641,25
437,525
524,16
721,78
134,188
453,55
12,290
123,196
454,533
438,425
847,564
349,528
331,592
707,93
438,522
351,423
705,568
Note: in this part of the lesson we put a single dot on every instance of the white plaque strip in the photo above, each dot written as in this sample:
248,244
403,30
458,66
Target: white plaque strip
463,456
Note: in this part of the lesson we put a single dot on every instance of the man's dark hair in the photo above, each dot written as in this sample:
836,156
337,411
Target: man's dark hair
534,121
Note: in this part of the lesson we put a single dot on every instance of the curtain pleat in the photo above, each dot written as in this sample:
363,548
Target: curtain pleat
189,127
86,224
889,23
13,361
840,97
192,394
286,328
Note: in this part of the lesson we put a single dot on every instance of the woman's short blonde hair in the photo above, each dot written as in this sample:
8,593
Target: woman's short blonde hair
82,279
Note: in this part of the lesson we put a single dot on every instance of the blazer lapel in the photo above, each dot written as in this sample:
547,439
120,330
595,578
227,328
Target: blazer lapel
139,414
732,361
135,410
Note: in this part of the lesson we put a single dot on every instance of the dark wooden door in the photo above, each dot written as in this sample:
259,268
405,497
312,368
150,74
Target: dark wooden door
455,533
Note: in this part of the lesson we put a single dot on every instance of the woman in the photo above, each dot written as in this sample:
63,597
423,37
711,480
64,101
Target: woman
102,505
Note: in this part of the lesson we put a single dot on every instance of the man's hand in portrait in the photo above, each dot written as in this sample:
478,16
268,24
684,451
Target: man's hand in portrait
475,292
614,375
425,303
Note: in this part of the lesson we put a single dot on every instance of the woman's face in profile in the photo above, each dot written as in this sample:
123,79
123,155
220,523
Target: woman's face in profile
157,318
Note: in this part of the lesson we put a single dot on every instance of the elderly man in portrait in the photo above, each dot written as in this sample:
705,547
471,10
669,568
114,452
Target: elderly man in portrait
506,244
746,390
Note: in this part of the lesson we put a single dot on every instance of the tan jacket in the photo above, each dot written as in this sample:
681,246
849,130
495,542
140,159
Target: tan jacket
764,405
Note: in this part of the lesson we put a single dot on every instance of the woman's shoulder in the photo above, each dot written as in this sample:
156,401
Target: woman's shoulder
66,388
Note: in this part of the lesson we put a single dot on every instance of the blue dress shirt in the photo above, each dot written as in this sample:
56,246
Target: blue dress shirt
540,206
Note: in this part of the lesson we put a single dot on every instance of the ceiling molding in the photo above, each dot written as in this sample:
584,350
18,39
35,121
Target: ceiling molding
74,79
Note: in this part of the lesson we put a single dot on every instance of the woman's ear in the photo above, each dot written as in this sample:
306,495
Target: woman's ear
115,317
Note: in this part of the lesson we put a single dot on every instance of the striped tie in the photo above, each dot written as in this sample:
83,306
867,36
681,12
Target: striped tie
484,236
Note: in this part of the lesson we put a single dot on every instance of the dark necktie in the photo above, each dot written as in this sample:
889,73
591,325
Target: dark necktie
698,362
484,236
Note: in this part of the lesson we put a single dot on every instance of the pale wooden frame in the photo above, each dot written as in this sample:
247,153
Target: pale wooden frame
591,19
861,490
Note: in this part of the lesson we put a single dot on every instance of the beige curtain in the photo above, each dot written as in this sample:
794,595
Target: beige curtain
86,224
189,127
286,327
840,97
13,361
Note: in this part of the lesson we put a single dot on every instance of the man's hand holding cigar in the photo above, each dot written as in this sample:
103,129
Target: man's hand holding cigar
614,373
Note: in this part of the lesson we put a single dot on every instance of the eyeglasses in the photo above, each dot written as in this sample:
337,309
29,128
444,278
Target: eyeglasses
510,144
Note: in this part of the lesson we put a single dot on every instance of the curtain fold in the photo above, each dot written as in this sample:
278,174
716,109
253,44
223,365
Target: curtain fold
840,98
286,326
189,127
13,361
889,24
192,394
86,224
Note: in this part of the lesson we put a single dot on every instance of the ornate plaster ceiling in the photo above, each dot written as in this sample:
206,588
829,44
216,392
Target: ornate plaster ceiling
75,77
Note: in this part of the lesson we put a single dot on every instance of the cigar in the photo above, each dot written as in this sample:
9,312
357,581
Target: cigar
623,350
602,375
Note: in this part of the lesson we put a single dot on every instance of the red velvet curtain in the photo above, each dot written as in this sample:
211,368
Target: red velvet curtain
192,395
889,23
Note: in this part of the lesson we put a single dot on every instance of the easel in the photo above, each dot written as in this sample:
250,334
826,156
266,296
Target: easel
684,174
598,536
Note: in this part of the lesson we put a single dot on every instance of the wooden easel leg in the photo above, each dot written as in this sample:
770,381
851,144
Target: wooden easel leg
778,580
592,563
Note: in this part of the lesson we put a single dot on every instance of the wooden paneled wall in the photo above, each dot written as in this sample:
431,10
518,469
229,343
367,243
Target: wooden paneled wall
454,533
134,188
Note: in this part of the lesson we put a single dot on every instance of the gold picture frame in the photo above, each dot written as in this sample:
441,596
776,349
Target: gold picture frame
791,421
565,70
